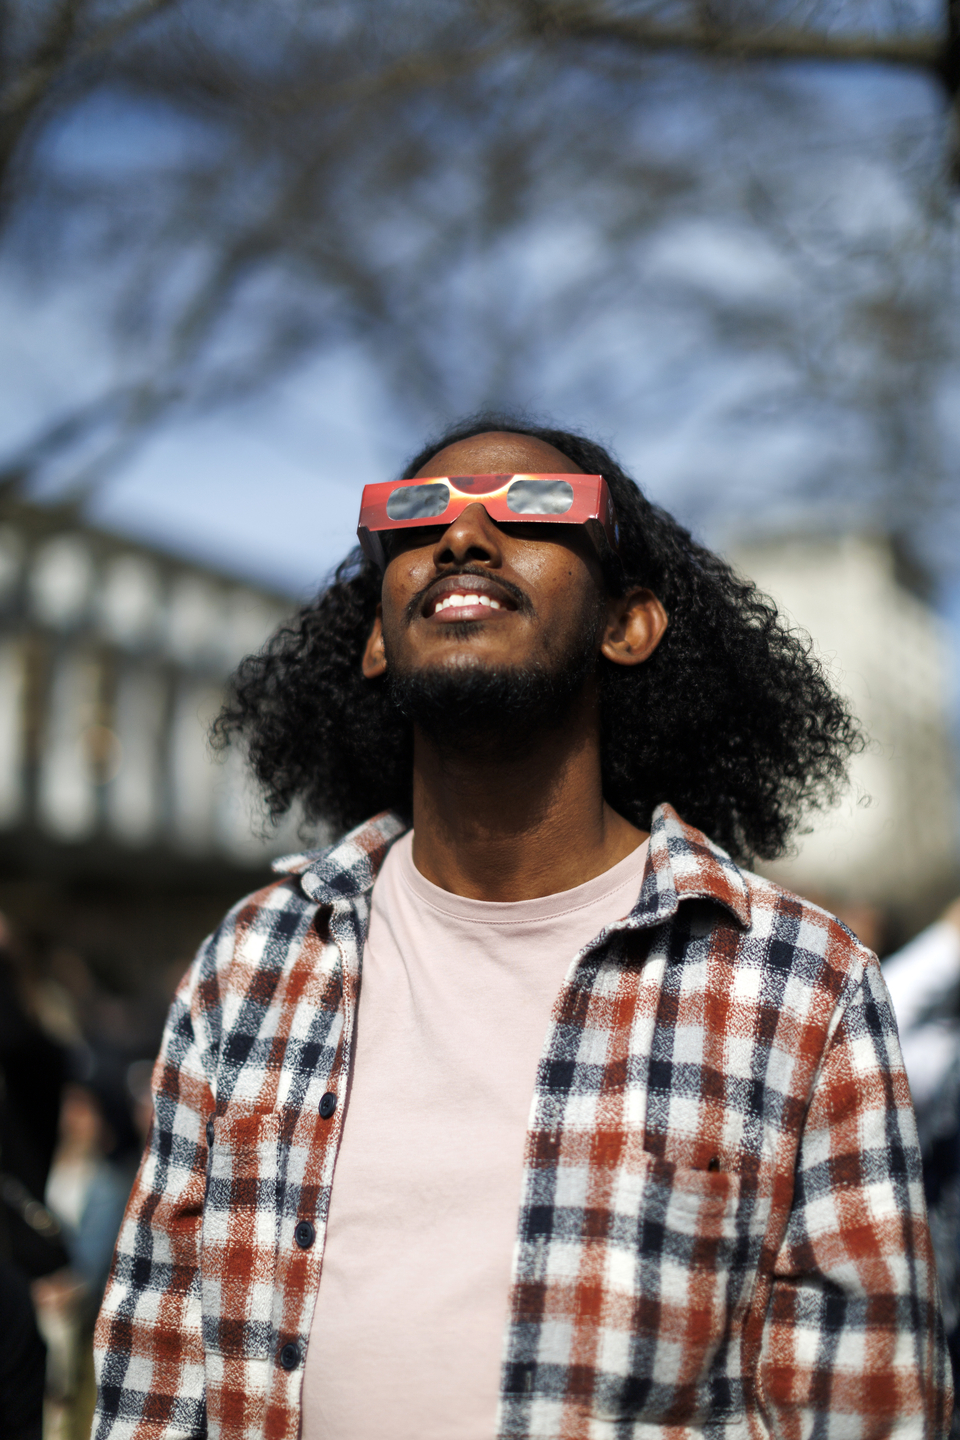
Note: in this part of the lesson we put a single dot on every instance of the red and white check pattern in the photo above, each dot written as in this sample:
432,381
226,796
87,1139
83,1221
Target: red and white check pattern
722,1230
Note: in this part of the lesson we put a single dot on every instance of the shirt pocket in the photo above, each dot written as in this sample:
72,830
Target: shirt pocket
682,1257
238,1247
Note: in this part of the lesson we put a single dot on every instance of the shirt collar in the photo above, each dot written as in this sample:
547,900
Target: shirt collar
682,864
349,867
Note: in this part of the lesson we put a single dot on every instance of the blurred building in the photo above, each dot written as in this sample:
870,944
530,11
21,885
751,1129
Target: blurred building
123,839
892,844
121,835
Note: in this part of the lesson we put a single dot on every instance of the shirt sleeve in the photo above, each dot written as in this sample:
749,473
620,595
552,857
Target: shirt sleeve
854,1344
148,1346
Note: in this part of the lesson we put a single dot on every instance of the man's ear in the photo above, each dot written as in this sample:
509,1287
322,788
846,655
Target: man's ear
374,663
635,626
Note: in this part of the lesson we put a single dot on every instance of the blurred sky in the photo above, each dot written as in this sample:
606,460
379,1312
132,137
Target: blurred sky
269,488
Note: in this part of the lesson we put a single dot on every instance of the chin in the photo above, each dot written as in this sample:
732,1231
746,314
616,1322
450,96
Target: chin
466,698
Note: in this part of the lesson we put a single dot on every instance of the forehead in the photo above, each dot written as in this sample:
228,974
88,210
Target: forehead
499,452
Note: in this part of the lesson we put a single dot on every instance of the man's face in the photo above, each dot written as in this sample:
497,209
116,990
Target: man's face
479,598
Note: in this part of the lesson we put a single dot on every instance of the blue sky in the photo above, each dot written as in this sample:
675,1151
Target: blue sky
269,487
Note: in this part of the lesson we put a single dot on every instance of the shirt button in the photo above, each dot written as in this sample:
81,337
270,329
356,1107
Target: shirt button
290,1356
209,1133
328,1103
304,1234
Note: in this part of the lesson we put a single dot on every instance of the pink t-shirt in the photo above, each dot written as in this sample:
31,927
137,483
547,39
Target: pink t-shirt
454,1008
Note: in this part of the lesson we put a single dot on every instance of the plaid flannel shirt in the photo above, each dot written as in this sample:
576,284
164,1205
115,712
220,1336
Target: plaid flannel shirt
721,1230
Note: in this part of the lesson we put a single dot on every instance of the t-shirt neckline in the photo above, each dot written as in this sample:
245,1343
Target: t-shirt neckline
626,872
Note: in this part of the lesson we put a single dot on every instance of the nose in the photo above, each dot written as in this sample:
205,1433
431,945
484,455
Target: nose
472,536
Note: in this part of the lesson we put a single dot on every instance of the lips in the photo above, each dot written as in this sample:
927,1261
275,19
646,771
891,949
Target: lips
466,597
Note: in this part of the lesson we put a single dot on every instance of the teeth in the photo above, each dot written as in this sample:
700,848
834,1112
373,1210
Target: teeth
461,601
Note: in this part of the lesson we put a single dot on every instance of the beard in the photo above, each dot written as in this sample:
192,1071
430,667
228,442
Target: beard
471,706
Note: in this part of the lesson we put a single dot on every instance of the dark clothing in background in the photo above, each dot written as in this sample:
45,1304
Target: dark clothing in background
939,1126
23,1358
924,982
32,1073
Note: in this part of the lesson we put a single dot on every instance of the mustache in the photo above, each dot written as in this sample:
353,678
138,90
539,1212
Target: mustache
518,596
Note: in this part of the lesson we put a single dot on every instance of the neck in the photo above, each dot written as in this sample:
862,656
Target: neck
495,825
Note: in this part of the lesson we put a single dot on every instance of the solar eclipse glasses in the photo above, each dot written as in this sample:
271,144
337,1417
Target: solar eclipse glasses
508,499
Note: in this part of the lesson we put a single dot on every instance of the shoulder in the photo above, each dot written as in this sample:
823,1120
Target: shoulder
813,998
266,930
803,939
262,932
274,907
766,925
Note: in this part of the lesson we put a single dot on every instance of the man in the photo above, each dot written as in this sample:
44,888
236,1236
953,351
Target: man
614,1137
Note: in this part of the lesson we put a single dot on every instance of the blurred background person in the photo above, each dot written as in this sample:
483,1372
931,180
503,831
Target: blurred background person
924,983
69,1145
32,1073
86,1190
32,1070
22,1359
923,978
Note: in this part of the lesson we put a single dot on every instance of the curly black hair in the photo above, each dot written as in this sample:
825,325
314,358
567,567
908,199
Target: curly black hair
731,719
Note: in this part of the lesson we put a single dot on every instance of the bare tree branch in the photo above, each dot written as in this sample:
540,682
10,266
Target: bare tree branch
411,71
459,191
57,52
923,51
